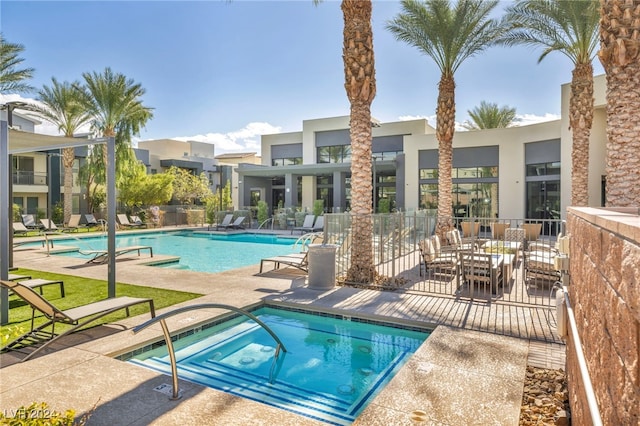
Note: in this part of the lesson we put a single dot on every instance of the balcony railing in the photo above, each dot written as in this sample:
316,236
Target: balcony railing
29,178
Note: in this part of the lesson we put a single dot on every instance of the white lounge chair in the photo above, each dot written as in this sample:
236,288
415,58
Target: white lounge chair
102,256
296,260
124,221
78,317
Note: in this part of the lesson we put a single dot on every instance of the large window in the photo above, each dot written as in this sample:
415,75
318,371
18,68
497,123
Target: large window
474,178
334,154
542,179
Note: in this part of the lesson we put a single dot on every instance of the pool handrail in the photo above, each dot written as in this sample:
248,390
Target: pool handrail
167,335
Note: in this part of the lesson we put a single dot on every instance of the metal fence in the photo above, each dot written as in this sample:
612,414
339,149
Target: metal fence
496,260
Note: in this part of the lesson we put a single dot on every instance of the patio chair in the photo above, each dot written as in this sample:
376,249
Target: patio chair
91,220
470,229
77,317
19,228
498,229
439,259
136,221
539,264
307,225
296,260
455,239
226,222
483,268
123,220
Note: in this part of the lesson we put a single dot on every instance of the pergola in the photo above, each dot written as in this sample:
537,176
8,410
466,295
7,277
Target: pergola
16,142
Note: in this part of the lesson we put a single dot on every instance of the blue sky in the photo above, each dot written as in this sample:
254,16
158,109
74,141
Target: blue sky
228,71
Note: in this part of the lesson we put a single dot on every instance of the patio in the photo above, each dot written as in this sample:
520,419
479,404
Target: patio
472,367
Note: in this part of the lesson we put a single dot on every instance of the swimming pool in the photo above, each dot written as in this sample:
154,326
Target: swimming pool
200,252
333,367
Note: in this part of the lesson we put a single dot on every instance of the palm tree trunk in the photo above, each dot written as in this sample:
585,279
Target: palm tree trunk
581,120
445,127
360,85
620,56
68,156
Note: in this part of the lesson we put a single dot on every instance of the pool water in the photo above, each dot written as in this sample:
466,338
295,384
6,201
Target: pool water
332,369
197,251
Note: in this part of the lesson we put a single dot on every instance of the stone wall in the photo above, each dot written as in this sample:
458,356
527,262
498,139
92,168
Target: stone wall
605,294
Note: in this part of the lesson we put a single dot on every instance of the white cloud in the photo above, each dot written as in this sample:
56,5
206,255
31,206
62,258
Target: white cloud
246,139
526,119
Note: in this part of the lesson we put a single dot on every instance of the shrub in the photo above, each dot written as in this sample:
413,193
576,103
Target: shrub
318,207
384,205
17,211
263,212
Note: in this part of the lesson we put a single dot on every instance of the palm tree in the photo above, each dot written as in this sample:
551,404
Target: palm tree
115,106
449,36
61,106
571,28
490,116
360,84
12,80
620,56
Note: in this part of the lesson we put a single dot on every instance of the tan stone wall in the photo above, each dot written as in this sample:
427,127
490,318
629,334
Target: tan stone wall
605,295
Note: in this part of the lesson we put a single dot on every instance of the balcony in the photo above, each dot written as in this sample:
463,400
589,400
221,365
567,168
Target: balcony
29,178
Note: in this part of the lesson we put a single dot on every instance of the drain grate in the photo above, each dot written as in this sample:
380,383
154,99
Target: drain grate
167,389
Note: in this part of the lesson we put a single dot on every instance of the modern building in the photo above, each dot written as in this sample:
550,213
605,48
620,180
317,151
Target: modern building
514,172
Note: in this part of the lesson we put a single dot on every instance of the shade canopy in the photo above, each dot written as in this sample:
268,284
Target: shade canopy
21,142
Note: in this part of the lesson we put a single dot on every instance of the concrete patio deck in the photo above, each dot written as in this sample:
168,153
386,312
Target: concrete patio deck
470,370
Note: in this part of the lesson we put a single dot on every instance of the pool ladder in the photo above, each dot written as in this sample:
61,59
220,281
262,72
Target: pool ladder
167,336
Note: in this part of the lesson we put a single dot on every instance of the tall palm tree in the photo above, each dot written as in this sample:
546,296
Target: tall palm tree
12,79
114,103
490,116
61,106
448,35
620,56
571,28
360,84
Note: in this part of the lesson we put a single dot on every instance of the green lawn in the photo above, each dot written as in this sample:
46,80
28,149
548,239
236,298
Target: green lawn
82,291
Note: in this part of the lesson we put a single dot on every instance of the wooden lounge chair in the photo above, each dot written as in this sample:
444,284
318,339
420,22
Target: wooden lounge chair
102,256
77,317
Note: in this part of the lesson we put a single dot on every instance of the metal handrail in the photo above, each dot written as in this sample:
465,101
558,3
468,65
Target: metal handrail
167,335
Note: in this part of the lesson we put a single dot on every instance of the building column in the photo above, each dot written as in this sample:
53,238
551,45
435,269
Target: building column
339,192
290,190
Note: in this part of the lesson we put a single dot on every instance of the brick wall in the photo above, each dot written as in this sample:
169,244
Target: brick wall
605,295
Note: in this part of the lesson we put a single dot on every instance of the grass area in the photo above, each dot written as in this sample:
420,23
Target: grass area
81,291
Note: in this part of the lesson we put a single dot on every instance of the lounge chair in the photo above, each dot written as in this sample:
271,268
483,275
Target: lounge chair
318,225
226,222
40,282
455,239
307,225
78,317
16,277
91,220
124,221
73,224
19,228
539,264
136,221
237,224
30,221
296,260
102,256
49,226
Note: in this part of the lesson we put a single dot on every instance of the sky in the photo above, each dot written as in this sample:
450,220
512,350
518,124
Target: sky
226,72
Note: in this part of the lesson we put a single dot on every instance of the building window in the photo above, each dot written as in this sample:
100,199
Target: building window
543,190
386,155
292,161
334,154
474,192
